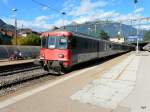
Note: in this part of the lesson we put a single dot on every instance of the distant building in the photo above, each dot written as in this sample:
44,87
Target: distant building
133,38
118,40
8,33
6,36
26,31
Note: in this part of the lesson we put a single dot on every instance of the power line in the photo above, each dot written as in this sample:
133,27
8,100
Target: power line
44,5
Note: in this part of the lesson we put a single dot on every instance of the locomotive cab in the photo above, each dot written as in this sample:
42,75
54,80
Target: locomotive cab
55,51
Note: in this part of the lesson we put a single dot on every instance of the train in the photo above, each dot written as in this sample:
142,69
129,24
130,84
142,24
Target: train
147,47
62,49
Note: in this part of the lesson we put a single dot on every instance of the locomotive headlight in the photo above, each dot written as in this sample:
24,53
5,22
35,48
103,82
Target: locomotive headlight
60,55
42,56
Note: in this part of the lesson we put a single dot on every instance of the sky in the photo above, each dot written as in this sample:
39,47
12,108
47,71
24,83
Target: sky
41,18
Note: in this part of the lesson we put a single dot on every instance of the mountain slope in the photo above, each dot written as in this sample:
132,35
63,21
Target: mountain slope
111,28
6,26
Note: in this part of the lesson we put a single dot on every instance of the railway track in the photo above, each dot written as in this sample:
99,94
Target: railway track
19,75
12,76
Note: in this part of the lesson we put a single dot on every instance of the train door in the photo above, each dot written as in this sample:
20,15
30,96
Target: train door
98,48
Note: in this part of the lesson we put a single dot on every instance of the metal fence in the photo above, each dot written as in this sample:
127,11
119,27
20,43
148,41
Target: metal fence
6,51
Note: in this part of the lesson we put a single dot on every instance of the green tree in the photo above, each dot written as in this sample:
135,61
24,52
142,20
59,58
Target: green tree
31,39
104,35
147,36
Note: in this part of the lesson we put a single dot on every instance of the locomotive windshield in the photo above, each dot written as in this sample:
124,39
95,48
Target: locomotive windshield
56,42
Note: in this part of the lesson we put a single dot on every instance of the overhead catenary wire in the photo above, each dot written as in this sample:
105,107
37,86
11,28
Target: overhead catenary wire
44,5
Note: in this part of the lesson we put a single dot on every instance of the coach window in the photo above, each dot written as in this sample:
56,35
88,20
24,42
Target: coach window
73,43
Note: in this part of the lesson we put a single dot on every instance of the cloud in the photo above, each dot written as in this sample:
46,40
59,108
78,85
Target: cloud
39,23
79,12
139,10
84,7
61,22
146,27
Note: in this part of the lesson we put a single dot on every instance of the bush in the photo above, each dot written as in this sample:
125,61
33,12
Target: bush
104,35
31,39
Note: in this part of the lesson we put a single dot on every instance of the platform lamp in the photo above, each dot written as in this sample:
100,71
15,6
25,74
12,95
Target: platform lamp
63,14
137,41
15,35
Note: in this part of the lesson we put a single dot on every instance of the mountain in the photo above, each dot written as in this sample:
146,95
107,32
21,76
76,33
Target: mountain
6,26
112,28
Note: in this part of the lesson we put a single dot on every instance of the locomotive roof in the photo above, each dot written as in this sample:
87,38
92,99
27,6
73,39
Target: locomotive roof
69,34
66,33
57,33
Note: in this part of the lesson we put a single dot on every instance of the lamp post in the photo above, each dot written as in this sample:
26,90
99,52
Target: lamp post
137,40
95,28
63,14
15,35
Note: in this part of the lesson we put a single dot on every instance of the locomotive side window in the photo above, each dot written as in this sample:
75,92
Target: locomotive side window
44,43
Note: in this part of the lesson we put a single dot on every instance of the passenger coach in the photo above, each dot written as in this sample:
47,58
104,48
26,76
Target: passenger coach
60,49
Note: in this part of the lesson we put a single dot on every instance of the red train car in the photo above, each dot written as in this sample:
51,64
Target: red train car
60,49
55,53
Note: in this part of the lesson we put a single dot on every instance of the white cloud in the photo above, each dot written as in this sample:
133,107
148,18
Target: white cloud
39,23
85,7
146,27
86,10
139,10
61,22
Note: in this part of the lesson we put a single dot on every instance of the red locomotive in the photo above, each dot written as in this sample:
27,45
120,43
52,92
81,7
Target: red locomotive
63,49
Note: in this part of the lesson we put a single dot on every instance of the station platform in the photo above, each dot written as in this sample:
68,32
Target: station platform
6,62
118,85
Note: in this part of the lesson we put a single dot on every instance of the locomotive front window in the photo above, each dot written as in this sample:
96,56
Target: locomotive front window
62,44
57,43
52,42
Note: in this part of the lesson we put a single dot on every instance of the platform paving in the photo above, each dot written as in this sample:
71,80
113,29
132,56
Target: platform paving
139,99
7,62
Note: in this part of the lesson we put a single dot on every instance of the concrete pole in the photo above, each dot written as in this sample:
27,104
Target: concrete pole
76,27
16,31
137,40
95,28
63,14
15,35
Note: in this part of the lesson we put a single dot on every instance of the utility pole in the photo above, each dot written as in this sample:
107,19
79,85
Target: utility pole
63,14
137,39
76,27
15,35
95,28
